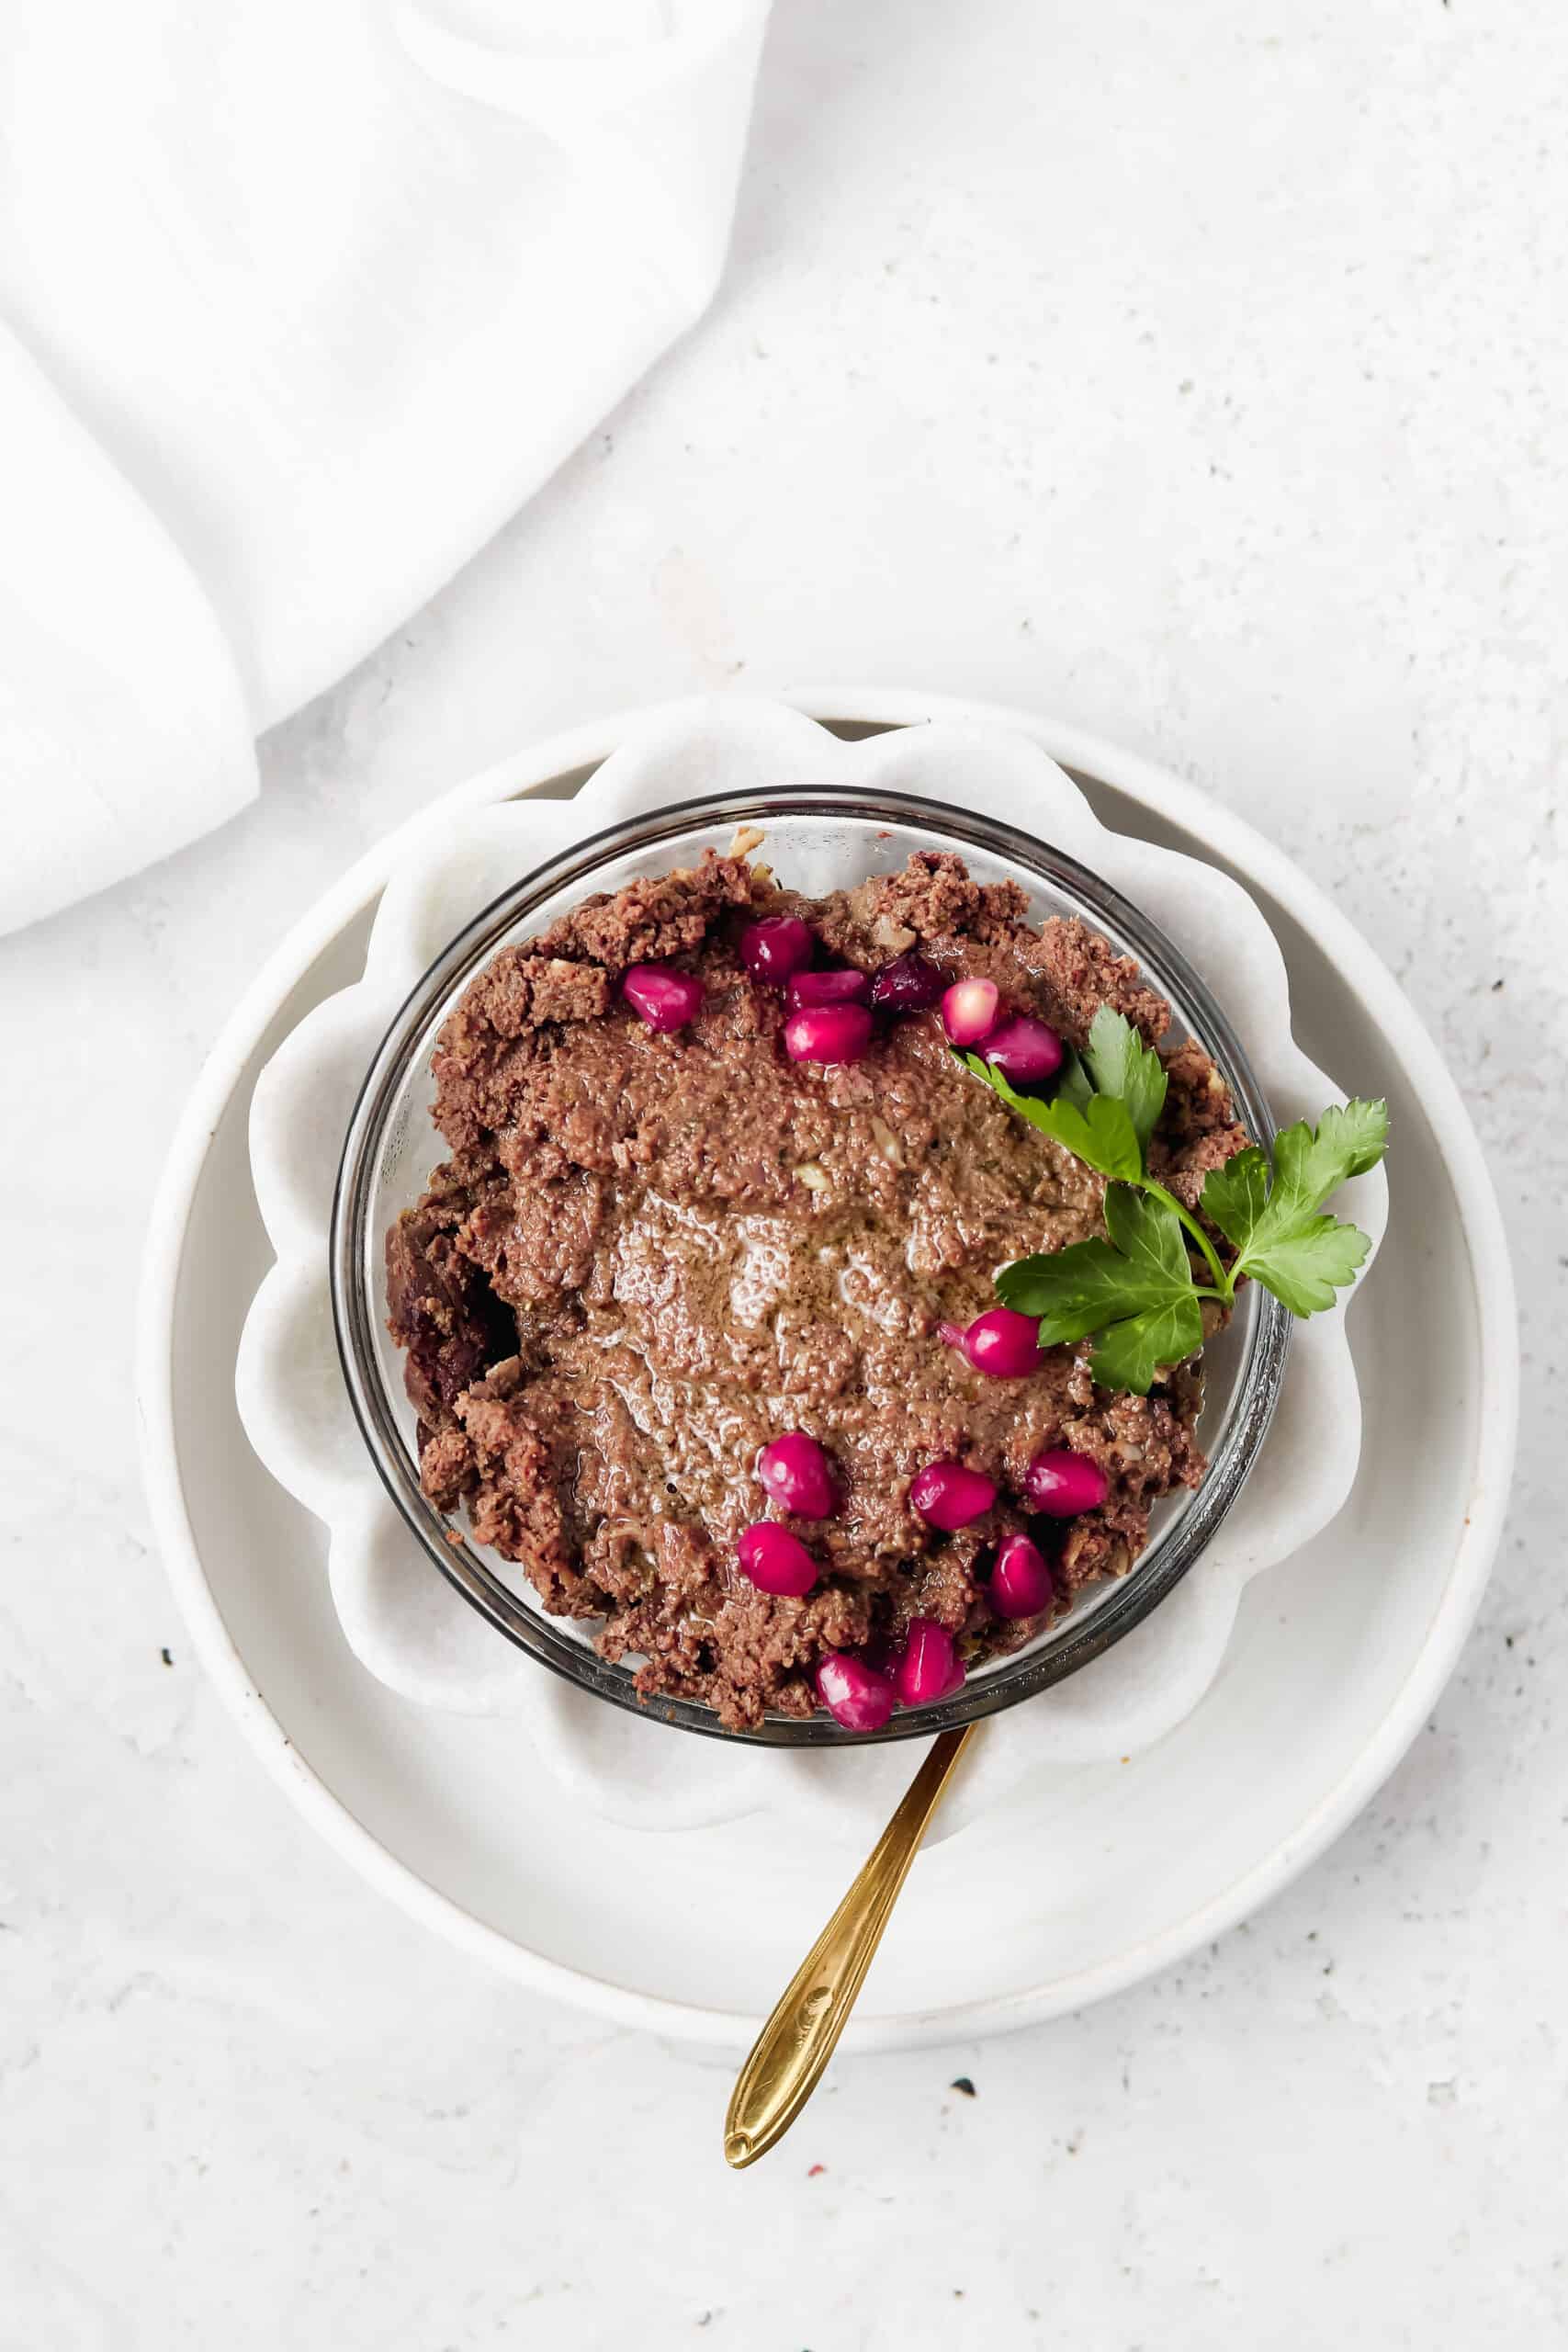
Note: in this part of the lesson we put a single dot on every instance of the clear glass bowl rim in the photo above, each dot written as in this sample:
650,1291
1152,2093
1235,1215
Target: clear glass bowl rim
352,1251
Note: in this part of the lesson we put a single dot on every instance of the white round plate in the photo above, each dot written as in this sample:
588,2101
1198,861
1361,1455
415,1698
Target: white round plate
1335,1661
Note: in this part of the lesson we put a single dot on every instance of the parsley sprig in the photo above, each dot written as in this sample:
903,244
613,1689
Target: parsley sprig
1135,1293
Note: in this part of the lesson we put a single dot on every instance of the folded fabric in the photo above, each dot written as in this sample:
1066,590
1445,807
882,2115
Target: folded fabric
303,302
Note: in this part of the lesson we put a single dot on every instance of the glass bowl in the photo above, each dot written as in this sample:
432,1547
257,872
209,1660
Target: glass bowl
818,839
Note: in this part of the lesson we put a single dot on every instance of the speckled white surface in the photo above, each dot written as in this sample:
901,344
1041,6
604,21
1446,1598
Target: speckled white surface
1235,428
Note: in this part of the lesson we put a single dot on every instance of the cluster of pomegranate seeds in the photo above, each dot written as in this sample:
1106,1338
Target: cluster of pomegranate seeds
796,1471
860,1693
830,1007
1021,1045
859,1690
828,1017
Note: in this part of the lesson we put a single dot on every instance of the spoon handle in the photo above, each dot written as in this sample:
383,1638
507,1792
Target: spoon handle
795,2044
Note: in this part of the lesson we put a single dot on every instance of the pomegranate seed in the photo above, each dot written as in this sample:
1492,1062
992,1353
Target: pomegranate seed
1021,1582
949,1494
907,985
776,947
797,1474
1004,1344
828,1033
661,996
1025,1048
777,1561
929,1669
1063,1483
854,1693
841,986
969,1010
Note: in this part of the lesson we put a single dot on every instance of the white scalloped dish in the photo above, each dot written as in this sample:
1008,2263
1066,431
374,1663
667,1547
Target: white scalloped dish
418,1636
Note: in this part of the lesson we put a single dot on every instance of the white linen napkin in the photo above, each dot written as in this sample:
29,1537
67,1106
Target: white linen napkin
298,304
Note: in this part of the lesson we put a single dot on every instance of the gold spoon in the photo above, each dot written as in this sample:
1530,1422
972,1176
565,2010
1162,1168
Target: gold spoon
789,2054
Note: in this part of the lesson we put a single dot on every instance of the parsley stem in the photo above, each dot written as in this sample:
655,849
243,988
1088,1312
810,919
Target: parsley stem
1225,1289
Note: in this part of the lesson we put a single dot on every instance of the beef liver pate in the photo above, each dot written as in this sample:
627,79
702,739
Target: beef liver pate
648,1254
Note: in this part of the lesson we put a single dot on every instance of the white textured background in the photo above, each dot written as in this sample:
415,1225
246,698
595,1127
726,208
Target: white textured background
1199,374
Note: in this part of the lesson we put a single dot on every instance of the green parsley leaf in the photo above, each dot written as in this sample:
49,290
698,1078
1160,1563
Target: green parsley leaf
1122,1066
1304,1268
1275,1226
1074,1083
1072,1291
1129,1354
1309,1165
1134,1291
1235,1196
1148,1234
1101,1134
1357,1130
